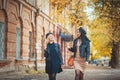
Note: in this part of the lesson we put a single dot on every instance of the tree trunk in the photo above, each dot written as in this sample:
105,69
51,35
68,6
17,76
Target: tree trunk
115,55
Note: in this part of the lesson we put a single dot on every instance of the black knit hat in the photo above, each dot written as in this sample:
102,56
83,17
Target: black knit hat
48,34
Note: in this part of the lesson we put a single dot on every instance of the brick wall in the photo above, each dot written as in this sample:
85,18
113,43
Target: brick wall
26,18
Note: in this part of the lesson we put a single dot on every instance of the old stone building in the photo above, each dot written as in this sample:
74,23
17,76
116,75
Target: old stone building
23,26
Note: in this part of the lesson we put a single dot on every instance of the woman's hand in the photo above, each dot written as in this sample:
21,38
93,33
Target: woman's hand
45,53
69,49
45,50
86,63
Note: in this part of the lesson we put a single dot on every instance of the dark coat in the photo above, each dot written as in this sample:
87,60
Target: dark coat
53,65
84,49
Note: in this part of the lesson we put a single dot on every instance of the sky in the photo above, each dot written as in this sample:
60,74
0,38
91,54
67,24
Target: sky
89,11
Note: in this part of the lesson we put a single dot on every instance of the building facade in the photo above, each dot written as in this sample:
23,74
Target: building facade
23,26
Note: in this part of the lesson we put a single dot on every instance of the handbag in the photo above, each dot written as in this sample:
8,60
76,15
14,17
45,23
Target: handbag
71,61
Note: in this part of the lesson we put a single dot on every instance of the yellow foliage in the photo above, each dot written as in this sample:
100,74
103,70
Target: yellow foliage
61,4
96,56
65,8
101,37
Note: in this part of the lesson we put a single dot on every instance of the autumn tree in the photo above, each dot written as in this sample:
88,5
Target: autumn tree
108,11
74,9
99,37
77,13
60,4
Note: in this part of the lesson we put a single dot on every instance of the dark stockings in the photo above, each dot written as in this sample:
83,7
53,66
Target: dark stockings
78,75
52,76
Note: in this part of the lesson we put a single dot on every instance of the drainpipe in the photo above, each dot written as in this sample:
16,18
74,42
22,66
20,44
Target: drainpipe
36,66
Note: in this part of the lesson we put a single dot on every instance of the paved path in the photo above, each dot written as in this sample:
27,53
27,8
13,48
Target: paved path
92,73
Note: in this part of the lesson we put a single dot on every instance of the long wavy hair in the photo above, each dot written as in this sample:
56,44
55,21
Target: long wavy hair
83,36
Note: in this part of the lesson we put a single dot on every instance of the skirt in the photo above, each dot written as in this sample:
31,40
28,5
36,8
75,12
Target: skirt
80,64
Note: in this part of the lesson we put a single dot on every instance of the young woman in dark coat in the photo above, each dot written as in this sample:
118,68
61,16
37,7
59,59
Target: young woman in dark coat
53,57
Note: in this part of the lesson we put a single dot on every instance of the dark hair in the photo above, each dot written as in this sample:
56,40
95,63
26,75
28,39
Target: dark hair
83,35
48,34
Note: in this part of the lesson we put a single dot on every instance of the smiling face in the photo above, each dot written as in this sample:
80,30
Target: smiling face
51,38
78,33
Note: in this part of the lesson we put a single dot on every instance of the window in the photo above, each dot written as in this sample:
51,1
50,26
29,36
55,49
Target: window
18,31
2,32
32,2
42,47
30,44
2,36
45,6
